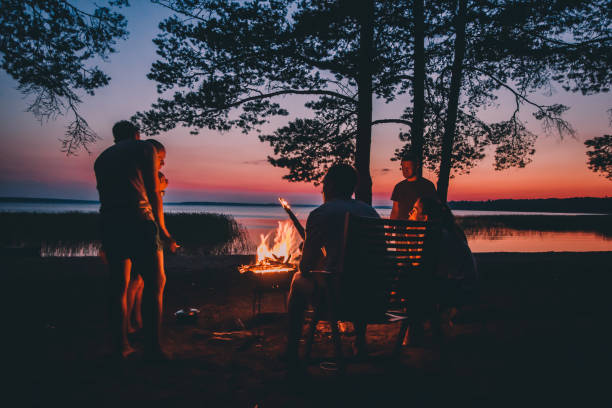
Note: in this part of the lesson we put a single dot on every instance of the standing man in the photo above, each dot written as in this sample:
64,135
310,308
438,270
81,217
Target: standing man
407,192
132,230
322,249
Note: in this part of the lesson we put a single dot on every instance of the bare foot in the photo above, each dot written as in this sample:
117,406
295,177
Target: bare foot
126,351
134,328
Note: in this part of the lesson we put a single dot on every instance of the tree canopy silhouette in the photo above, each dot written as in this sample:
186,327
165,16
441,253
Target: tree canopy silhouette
600,157
481,49
226,64
48,48
222,57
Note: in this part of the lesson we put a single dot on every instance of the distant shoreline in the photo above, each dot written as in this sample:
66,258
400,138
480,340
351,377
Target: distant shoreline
553,205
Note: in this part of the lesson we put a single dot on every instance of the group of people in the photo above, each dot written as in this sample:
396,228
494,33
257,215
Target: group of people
415,198
134,234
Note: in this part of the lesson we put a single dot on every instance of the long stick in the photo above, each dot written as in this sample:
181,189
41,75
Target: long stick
296,222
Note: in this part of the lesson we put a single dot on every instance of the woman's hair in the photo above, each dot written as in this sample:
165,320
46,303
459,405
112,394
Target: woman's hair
157,145
438,212
450,223
432,207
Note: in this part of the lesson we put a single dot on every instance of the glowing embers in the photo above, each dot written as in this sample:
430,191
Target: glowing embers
281,255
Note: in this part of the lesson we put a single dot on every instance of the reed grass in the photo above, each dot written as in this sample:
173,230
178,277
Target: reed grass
196,233
206,233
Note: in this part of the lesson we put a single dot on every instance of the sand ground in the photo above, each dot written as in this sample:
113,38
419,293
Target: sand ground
537,337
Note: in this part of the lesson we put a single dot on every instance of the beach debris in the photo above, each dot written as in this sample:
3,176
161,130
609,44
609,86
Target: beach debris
248,342
328,366
231,335
187,315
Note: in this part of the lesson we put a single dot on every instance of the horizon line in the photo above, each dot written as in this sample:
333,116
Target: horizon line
270,204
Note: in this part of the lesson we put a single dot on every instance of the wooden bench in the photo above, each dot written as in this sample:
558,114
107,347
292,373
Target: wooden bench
385,275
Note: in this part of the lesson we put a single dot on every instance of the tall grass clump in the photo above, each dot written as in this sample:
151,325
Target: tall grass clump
208,233
76,233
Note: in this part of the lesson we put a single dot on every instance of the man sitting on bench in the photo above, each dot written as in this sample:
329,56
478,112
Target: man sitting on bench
322,248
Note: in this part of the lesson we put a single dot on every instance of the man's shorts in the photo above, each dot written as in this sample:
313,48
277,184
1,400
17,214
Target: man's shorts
132,238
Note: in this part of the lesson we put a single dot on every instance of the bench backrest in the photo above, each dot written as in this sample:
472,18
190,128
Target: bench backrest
387,265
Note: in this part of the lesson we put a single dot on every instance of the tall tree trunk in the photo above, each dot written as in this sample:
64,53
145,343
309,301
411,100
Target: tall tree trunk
364,107
418,82
453,101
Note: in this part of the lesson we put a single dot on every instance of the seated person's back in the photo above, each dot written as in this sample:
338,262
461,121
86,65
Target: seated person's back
325,229
324,234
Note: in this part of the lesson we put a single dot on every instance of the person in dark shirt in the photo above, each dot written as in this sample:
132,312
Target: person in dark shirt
407,192
322,248
132,230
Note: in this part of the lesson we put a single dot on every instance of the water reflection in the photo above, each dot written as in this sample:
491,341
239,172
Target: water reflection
511,240
492,238
481,239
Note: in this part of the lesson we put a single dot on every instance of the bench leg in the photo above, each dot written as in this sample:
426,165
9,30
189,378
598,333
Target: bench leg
254,306
337,344
310,336
259,298
400,338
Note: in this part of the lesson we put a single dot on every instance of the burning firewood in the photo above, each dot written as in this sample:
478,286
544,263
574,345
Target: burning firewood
282,256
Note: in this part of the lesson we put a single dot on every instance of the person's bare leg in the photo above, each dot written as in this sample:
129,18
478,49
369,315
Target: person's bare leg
152,304
119,278
134,302
137,313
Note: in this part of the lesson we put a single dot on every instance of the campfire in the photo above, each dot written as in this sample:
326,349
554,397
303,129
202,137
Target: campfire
280,254
284,253
277,258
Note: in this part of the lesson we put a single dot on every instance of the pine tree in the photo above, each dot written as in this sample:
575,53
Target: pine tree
48,46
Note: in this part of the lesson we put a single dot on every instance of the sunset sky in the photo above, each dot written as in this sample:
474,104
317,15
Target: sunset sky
232,166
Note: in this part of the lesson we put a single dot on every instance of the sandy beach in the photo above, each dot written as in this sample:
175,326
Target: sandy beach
536,337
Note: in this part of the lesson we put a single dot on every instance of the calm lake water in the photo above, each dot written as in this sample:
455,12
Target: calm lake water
264,219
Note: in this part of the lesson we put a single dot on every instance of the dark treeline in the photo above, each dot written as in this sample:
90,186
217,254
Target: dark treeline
563,205
592,205
45,200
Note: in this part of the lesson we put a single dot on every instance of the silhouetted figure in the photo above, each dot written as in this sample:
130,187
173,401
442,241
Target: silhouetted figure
456,272
324,230
136,285
456,261
132,231
407,192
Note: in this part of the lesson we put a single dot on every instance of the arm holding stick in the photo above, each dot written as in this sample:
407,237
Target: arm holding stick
296,222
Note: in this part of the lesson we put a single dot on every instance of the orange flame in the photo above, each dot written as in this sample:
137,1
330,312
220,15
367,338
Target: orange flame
282,256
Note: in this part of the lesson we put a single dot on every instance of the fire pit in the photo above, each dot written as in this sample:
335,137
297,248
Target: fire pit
275,264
